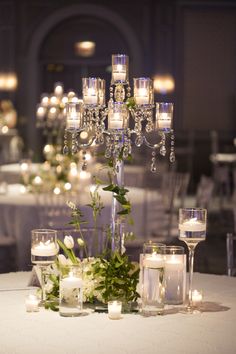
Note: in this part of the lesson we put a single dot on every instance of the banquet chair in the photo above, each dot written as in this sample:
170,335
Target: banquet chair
163,203
204,192
231,262
94,238
53,209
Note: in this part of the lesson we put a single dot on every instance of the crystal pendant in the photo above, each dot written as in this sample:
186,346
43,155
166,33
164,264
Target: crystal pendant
139,140
66,150
172,156
163,150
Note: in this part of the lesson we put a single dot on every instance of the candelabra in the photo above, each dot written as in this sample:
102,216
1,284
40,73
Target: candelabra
51,112
127,116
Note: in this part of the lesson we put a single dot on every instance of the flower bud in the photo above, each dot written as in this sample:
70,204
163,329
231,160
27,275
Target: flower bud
62,259
69,242
80,242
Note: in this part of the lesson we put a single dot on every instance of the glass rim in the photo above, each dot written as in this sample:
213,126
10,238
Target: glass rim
43,231
193,209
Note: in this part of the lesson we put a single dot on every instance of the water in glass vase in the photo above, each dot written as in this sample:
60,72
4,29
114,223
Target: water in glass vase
153,291
43,260
192,233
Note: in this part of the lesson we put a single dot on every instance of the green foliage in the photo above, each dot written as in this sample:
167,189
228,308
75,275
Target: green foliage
120,196
120,278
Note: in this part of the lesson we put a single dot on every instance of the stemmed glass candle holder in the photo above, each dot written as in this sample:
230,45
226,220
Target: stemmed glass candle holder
153,283
44,250
192,230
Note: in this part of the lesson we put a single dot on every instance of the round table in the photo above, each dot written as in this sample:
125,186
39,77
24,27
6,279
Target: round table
210,332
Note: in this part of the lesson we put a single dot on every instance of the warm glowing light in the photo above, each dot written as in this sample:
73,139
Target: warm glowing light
164,84
5,129
57,190
8,81
85,48
67,186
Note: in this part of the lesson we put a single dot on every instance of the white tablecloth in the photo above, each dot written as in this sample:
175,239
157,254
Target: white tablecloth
19,214
211,332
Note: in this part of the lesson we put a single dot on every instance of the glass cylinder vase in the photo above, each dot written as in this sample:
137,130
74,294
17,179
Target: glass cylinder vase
175,275
153,282
71,291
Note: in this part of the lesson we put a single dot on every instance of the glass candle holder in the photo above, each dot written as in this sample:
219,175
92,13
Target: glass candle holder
90,91
71,291
143,91
114,310
120,69
118,117
44,246
44,251
153,282
74,115
32,303
101,93
164,116
192,230
175,275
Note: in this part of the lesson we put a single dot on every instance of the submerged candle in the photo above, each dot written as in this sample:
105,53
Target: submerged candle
44,249
174,276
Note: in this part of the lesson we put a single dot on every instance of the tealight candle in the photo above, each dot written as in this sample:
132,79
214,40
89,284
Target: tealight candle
32,303
153,261
115,121
142,96
192,225
44,249
91,97
164,120
196,297
114,310
71,292
119,72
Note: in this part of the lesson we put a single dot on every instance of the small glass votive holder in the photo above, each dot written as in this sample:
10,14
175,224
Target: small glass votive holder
197,297
120,69
143,91
164,116
71,291
114,309
153,282
74,116
44,248
90,91
32,303
175,275
118,117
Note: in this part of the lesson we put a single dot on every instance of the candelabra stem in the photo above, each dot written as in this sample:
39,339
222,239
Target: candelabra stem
117,225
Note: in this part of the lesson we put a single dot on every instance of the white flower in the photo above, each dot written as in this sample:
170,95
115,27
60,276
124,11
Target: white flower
69,242
71,205
80,242
62,260
48,287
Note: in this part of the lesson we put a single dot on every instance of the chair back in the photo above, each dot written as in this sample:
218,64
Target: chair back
204,193
230,245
